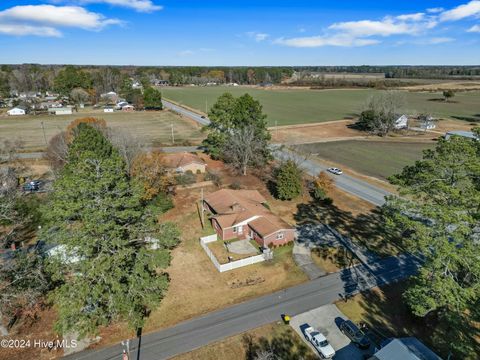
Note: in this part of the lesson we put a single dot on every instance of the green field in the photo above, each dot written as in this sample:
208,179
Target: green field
293,106
153,128
374,158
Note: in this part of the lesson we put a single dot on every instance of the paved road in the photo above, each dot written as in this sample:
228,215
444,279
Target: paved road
347,183
220,324
188,113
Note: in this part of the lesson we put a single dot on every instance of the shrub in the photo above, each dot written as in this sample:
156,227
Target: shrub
161,203
235,185
213,176
186,179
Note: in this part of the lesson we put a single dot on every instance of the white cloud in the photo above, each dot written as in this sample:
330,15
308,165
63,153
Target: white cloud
44,20
474,29
411,17
461,12
20,30
138,5
435,41
435,10
342,40
257,36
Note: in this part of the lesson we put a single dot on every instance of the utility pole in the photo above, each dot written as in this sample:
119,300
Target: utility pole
173,136
206,106
201,209
276,130
44,136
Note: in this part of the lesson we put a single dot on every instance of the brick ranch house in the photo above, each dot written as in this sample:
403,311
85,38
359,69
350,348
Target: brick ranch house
243,214
183,162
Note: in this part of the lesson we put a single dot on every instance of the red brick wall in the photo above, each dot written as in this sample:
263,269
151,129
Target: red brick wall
289,235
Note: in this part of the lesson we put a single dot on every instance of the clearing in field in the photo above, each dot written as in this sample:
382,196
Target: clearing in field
379,159
300,106
153,128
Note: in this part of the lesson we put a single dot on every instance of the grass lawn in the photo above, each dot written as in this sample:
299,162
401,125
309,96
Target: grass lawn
280,338
374,158
154,128
297,106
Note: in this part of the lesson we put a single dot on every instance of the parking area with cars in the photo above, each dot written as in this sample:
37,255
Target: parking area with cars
328,321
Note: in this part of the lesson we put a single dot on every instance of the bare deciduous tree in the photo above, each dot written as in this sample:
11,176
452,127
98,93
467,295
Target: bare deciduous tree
127,144
243,148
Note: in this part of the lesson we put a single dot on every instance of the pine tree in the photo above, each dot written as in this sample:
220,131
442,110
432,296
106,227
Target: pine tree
288,181
96,216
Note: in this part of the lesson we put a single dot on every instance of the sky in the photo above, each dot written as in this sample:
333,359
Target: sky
236,33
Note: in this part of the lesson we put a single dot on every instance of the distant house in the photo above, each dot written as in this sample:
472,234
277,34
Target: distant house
128,108
183,162
121,104
67,110
401,122
161,82
137,85
108,109
16,111
428,123
461,133
243,214
404,349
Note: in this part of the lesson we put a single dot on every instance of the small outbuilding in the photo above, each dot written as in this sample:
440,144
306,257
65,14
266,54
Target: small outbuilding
401,122
461,133
16,111
67,110
108,109
128,108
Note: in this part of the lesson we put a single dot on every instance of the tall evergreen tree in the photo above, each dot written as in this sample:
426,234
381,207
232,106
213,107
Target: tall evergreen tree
288,180
96,216
438,217
152,99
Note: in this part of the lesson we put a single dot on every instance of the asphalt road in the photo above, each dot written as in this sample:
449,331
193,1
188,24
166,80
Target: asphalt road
347,183
220,324
183,111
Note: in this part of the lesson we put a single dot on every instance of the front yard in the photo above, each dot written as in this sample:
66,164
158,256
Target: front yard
197,287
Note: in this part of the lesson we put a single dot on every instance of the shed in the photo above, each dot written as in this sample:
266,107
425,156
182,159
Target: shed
401,122
108,109
16,111
405,349
61,110
461,133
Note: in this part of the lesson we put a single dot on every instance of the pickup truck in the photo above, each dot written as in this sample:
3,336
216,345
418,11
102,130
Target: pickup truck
320,342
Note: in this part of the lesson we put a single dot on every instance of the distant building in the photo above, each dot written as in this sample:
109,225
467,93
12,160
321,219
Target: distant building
182,162
401,122
161,83
61,110
108,109
137,85
404,349
121,104
16,111
462,133
128,108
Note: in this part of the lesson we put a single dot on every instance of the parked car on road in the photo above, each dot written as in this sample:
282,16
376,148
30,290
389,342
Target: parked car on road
355,334
320,342
335,171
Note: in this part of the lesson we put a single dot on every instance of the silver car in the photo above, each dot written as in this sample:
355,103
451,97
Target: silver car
335,171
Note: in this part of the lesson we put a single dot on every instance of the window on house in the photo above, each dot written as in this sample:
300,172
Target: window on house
280,236
234,229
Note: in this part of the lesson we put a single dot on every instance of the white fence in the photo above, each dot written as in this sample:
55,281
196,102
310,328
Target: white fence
231,265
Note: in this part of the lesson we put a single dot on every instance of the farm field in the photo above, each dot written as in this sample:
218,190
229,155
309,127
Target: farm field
374,158
154,128
297,106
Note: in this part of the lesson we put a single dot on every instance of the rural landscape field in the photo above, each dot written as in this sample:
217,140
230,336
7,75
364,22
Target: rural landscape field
239,180
296,106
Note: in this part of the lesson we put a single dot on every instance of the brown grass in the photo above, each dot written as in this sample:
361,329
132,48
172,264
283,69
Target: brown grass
154,128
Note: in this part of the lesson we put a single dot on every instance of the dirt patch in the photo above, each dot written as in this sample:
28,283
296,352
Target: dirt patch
306,133
462,85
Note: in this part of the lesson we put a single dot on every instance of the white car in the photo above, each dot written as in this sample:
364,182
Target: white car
335,171
320,342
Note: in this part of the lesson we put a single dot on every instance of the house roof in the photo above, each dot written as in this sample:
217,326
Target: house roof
235,206
177,160
467,134
405,349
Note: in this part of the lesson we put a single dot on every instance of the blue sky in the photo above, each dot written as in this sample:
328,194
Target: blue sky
188,32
